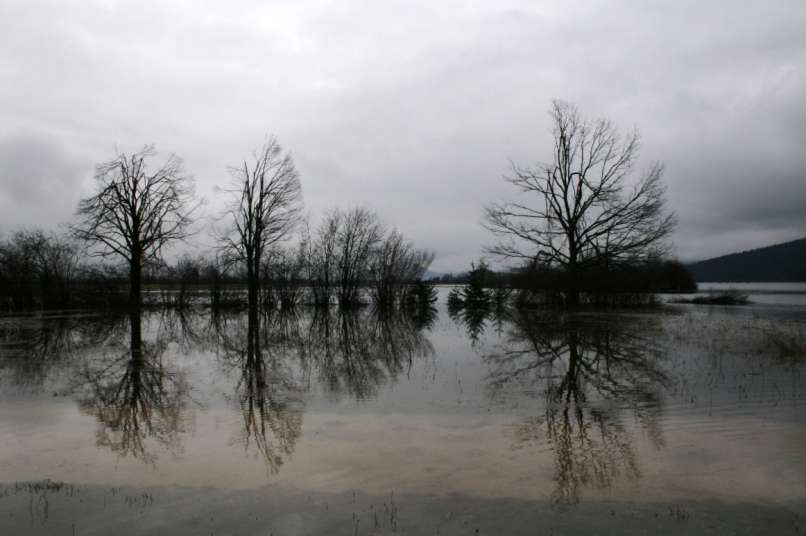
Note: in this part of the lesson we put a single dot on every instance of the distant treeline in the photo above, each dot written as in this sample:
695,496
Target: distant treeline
47,270
350,259
113,253
619,284
614,285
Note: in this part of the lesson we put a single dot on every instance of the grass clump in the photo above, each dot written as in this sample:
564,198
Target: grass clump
730,297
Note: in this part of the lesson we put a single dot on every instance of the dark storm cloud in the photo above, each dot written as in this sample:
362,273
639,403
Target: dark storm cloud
412,108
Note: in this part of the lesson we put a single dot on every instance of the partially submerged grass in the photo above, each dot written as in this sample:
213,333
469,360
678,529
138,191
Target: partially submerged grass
779,338
730,297
786,340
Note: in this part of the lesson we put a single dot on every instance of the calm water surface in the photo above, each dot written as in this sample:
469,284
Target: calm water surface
688,419
787,295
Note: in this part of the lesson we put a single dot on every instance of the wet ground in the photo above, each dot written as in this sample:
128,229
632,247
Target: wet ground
680,420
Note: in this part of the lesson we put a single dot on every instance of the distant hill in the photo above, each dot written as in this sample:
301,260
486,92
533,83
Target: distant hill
782,262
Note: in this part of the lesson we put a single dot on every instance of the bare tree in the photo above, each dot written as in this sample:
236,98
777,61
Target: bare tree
37,266
396,263
285,277
340,255
136,211
266,209
321,258
583,209
361,231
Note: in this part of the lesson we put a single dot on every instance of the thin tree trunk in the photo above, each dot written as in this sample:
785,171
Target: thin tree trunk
252,287
135,281
572,283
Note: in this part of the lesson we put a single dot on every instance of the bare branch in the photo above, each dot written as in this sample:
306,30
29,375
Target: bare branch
136,212
583,209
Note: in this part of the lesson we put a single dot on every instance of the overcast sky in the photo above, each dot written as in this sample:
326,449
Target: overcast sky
413,108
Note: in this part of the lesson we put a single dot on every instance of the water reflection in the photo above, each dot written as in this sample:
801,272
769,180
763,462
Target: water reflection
135,396
354,352
279,356
595,378
32,348
583,398
267,393
476,320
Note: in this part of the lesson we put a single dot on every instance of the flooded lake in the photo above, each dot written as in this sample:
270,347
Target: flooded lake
679,420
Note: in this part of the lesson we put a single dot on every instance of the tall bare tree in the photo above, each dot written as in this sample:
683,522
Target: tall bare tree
584,208
266,209
137,211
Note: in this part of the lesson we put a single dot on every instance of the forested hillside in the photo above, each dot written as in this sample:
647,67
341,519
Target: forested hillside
781,262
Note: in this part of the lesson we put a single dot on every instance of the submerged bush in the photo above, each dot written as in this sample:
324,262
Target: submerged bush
730,297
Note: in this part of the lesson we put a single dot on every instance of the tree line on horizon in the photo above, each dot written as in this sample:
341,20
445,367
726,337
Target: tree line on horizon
138,211
581,227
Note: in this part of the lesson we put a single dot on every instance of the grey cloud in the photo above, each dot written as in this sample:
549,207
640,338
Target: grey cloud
39,182
414,108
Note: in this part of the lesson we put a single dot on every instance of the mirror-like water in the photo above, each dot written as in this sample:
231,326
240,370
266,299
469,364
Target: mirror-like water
682,420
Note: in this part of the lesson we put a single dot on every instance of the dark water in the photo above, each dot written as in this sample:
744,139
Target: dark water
683,420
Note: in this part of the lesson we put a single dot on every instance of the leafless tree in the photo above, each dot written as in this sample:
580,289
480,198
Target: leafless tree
341,253
396,263
266,209
285,278
136,211
37,266
583,209
321,258
359,234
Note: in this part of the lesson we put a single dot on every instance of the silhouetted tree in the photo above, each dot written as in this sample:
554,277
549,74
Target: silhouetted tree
396,265
582,211
285,276
340,255
266,209
321,258
37,268
136,211
360,232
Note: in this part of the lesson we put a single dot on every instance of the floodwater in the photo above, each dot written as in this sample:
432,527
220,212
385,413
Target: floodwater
788,295
681,420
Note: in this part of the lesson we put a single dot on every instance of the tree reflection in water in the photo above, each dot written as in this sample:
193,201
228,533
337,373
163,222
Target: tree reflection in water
122,369
351,351
476,320
267,393
592,374
34,347
355,351
133,394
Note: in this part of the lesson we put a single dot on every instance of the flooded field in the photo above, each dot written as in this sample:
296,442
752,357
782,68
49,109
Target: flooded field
682,420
